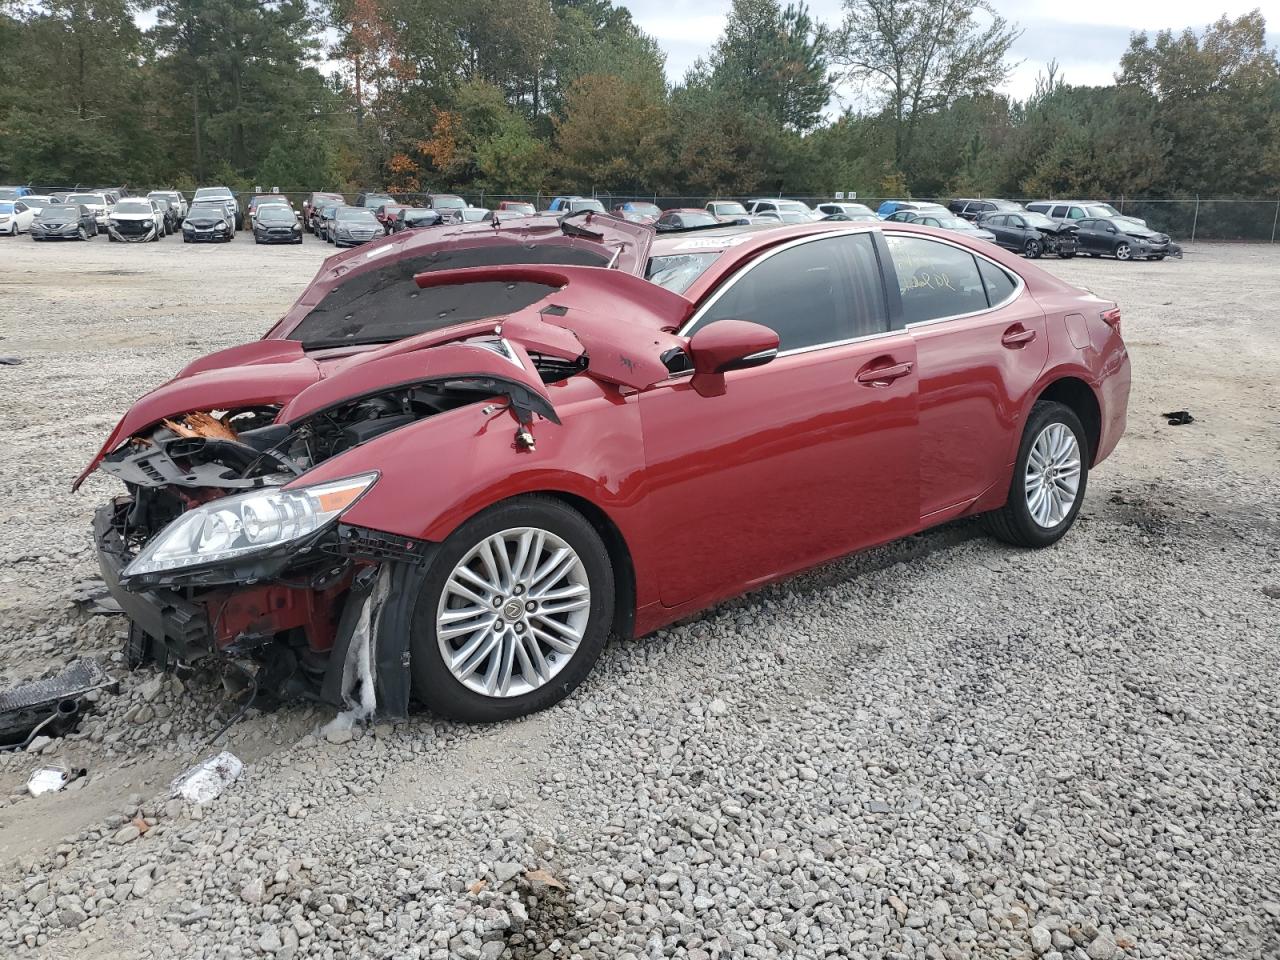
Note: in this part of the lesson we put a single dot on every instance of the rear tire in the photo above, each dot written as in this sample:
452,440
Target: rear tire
561,527
1015,522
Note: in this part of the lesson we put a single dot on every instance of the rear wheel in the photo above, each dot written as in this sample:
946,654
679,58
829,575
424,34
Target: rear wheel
1032,249
1124,252
513,612
1049,479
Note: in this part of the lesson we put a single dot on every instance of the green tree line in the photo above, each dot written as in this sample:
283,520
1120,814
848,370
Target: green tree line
520,96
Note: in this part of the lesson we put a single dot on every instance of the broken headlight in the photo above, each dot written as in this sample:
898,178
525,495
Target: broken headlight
246,524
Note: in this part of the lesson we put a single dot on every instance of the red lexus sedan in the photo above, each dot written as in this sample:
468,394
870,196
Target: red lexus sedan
466,456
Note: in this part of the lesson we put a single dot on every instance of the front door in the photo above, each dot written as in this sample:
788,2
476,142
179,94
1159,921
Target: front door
804,459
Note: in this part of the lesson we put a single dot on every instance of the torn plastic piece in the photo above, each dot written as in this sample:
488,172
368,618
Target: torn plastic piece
10,361
207,780
358,692
52,779
1178,418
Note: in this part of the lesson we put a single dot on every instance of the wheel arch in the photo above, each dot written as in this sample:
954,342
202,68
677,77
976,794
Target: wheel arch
1073,392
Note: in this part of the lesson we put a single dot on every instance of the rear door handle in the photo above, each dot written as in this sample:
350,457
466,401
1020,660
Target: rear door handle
883,376
1017,336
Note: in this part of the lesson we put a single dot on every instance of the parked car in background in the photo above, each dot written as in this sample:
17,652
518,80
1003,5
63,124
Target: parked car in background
686,218
888,208
906,212
15,217
854,211
1124,239
208,221
14,193
450,206
324,223
172,222
1032,234
566,205
176,201
135,220
955,224
1074,209
257,202
973,210
36,202
780,206
781,216
64,221
413,218
638,211
97,203
517,206
276,223
386,215
752,408
355,225
235,216
373,200
476,214
727,209
311,207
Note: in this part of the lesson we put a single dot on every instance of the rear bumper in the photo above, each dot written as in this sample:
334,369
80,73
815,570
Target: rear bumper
1113,390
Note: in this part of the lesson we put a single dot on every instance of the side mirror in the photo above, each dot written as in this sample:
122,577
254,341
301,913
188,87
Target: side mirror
728,345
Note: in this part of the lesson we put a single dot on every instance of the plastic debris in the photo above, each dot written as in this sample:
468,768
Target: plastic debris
207,780
52,779
1178,418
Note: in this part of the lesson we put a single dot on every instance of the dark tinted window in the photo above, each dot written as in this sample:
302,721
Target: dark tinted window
383,305
996,221
1000,285
824,291
935,279
1059,211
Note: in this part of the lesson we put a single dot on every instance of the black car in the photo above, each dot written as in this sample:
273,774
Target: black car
1031,234
373,200
208,220
276,223
172,222
324,221
973,209
413,218
64,221
450,205
354,225
1124,239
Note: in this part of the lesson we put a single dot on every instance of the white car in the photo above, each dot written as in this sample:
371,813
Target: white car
779,206
15,217
136,220
36,203
98,203
176,200
855,211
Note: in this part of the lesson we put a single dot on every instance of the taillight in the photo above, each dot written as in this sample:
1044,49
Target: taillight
1112,318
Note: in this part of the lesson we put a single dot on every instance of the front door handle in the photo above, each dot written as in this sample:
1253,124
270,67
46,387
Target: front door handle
1017,336
883,376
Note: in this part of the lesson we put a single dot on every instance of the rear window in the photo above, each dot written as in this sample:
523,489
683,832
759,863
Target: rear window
385,305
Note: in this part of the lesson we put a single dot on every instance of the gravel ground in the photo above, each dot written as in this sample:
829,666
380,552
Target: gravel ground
942,748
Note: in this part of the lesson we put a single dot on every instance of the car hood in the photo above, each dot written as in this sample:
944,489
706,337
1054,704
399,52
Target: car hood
614,325
132,216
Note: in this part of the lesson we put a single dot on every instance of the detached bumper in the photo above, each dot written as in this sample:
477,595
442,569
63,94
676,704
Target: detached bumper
167,617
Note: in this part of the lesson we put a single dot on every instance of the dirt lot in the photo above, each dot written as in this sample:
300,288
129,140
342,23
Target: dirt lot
943,748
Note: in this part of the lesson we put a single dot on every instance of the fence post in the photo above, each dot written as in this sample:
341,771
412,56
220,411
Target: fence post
1195,218
1274,221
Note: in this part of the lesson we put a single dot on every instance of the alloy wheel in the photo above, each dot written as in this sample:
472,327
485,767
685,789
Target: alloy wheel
1123,252
513,612
1033,249
1052,480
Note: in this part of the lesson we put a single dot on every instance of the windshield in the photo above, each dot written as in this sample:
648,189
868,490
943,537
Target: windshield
793,206
206,210
678,271
448,203
92,198
210,193
695,219
356,215
645,209
576,205
730,208
133,206
59,209
1038,220
519,208
274,211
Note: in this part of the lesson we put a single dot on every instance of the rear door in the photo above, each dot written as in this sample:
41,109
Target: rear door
980,344
806,458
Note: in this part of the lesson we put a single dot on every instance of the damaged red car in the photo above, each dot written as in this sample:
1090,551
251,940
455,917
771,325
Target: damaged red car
467,456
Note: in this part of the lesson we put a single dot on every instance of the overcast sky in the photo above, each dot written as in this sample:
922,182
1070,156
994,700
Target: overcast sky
1086,36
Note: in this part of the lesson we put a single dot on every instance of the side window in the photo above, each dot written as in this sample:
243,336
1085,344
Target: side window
1000,285
999,220
1076,213
935,279
1059,212
1017,222
20,207
823,291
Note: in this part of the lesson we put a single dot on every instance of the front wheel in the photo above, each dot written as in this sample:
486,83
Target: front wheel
1049,479
1032,249
1124,252
512,613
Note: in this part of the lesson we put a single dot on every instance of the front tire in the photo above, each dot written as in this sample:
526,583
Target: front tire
1049,479
1032,249
512,613
1124,252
